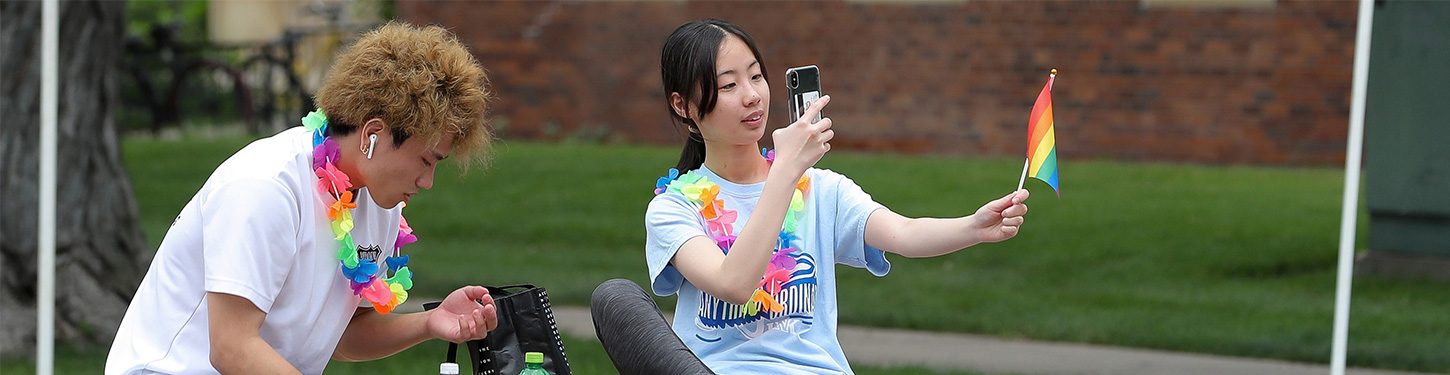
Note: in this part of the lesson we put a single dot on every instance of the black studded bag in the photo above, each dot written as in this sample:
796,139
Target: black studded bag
525,324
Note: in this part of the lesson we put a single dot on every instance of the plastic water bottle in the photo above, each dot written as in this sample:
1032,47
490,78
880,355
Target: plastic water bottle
534,364
448,368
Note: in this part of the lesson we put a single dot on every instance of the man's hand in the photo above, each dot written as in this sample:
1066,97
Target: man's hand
466,314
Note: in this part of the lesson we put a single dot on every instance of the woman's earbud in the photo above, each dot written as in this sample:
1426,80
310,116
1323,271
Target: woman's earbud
372,143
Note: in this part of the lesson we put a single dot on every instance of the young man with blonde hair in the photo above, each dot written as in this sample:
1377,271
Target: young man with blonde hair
290,254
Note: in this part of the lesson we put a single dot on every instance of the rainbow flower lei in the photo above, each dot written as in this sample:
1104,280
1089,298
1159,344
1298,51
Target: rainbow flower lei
720,224
362,275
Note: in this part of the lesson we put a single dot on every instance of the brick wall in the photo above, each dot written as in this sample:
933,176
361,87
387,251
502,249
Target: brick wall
1265,85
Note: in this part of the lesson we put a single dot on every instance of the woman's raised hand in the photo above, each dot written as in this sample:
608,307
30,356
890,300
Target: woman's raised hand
801,144
1001,219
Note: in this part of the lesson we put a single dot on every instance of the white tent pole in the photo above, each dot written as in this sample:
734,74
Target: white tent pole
1350,210
49,93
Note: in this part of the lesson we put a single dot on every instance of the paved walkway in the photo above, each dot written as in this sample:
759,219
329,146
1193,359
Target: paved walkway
952,351
978,353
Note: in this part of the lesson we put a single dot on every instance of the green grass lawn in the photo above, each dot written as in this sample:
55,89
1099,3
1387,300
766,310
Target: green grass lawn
1224,260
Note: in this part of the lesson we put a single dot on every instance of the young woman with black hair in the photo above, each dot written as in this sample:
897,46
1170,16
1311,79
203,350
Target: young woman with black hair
749,240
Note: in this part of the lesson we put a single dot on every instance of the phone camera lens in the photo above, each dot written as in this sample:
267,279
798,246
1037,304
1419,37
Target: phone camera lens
792,80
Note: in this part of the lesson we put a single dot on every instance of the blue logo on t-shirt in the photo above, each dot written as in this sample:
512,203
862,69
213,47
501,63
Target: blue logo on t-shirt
798,295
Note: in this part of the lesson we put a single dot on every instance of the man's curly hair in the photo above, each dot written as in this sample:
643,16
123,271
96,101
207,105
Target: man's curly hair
421,81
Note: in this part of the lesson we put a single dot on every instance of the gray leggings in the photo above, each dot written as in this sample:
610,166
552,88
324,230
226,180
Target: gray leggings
635,334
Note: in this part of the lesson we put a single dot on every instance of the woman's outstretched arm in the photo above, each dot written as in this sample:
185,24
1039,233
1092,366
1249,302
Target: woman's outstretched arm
995,221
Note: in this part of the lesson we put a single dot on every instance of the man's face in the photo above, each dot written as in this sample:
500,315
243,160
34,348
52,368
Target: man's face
395,174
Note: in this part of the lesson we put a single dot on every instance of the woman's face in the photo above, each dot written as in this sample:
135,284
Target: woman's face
743,97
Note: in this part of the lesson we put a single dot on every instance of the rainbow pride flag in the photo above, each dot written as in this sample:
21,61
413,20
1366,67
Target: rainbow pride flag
1041,143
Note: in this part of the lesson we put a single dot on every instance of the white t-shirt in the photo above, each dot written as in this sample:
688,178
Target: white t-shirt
801,339
258,229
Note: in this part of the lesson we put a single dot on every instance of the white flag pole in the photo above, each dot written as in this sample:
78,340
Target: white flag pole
1351,187
1022,180
49,93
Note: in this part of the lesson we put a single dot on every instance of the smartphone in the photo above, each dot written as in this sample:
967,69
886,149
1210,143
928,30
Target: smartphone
804,85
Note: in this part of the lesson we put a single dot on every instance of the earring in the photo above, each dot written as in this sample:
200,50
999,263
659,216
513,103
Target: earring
372,142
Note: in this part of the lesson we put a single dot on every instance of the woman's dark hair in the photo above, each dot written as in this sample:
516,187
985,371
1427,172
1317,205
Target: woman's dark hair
687,67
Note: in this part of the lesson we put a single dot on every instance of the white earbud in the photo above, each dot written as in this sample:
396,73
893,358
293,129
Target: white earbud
372,143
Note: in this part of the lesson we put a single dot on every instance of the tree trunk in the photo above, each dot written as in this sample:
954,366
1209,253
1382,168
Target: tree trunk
100,250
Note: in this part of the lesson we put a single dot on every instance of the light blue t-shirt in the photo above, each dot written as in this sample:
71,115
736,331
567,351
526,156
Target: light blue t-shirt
802,338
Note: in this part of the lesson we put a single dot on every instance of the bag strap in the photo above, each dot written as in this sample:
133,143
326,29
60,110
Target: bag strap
508,290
